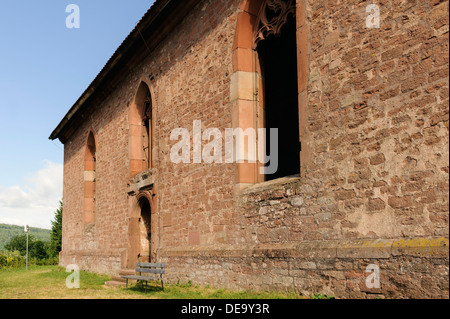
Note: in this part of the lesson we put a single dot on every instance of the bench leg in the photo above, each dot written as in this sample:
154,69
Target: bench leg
146,287
127,283
162,285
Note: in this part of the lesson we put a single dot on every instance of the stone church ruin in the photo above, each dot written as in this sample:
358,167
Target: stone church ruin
363,145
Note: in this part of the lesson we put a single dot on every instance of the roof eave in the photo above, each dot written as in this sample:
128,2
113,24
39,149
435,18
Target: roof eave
150,22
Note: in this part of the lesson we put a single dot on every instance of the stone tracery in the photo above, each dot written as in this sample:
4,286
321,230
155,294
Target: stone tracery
272,17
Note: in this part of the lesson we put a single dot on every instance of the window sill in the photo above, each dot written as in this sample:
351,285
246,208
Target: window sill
260,187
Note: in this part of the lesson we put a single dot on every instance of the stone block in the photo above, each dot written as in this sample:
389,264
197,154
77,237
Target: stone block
364,249
421,247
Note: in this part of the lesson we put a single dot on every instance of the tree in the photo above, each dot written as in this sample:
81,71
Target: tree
19,243
36,248
39,250
56,232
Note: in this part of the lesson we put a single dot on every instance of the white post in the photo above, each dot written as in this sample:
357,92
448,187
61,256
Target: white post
26,263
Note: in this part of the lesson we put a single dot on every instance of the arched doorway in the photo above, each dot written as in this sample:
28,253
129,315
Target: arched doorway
140,229
145,230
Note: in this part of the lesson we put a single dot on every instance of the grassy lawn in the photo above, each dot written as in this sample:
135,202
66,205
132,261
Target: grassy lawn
49,282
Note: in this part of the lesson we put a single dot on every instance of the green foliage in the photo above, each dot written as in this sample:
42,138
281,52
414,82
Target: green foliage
19,243
14,260
56,232
36,248
15,255
11,260
7,232
186,285
43,245
39,250
321,296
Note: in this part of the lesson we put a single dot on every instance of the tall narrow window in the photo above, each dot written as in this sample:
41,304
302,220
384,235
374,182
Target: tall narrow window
277,52
89,180
147,130
141,131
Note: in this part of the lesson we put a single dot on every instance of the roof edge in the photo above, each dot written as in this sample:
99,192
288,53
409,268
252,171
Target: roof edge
144,25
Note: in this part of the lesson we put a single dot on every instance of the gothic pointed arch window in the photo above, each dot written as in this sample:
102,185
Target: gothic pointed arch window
141,126
147,129
90,165
275,41
272,17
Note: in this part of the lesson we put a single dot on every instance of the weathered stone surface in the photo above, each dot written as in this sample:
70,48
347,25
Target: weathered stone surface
365,249
374,171
421,247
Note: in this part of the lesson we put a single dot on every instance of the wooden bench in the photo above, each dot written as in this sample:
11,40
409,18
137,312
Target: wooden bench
148,271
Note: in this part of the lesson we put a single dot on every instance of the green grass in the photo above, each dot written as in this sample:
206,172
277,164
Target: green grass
49,282
197,292
321,296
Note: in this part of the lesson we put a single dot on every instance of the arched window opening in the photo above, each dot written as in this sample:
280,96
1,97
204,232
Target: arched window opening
90,180
141,131
147,132
276,45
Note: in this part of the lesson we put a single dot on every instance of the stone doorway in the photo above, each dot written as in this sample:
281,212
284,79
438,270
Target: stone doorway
140,229
145,233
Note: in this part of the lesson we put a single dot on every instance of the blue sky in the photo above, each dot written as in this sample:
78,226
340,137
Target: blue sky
44,68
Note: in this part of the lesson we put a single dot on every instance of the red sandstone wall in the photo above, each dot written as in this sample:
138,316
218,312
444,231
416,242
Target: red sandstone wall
375,161
375,165
192,70
190,81
108,235
377,120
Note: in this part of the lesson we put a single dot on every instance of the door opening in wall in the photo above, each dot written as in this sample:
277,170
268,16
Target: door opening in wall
145,234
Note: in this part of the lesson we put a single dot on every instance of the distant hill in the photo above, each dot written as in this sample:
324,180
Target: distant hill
9,231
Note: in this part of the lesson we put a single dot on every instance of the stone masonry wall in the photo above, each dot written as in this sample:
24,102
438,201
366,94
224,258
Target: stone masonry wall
407,268
375,164
191,71
98,246
189,80
377,124
374,183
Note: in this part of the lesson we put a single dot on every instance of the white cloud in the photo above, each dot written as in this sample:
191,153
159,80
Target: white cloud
34,203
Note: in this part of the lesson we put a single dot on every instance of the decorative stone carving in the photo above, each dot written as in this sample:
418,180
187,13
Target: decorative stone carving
272,17
142,181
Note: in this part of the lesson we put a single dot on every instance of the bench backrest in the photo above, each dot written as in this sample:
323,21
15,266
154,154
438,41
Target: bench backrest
151,268
150,265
